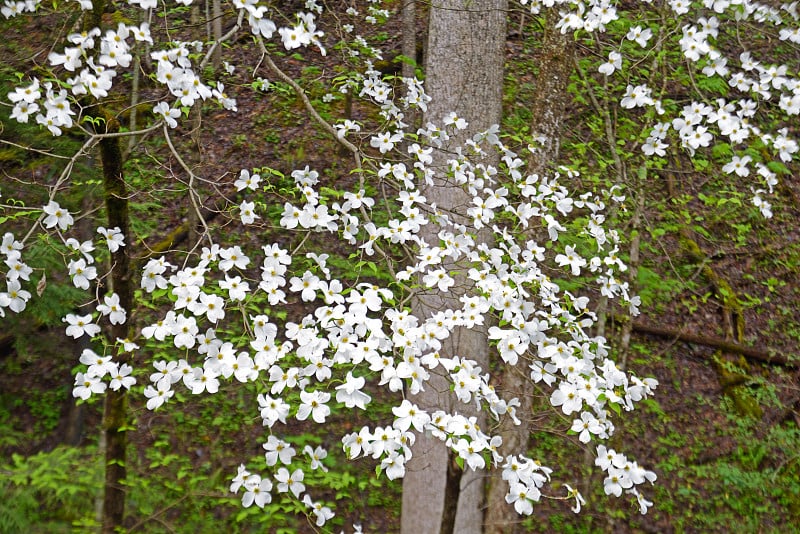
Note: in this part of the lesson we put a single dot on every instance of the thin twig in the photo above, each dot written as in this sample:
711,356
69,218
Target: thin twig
191,174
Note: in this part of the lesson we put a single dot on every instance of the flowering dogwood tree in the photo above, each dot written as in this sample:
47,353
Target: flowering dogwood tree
213,315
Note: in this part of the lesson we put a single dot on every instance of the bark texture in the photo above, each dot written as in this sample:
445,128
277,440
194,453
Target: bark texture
115,403
409,36
549,108
115,407
464,74
550,102
501,516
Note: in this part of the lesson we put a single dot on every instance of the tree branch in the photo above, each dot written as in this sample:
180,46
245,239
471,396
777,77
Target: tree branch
752,353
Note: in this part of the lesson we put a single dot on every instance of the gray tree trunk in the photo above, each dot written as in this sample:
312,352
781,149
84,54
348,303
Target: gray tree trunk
409,36
464,74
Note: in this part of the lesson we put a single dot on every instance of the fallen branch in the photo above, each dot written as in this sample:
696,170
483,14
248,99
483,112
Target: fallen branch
178,235
753,353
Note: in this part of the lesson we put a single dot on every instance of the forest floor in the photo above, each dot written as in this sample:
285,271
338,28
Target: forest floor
721,433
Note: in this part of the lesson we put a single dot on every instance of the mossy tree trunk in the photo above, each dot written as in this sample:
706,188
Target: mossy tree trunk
115,404
554,60
115,409
549,105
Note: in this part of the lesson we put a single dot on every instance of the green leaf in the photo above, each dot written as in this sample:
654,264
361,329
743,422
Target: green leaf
722,151
17,215
714,84
778,167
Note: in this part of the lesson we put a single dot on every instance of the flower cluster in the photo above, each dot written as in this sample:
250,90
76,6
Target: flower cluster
14,298
525,478
756,86
623,474
404,357
91,382
257,490
95,58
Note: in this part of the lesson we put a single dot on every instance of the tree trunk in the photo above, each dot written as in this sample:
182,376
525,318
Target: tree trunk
409,36
216,31
464,73
549,105
500,516
115,405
